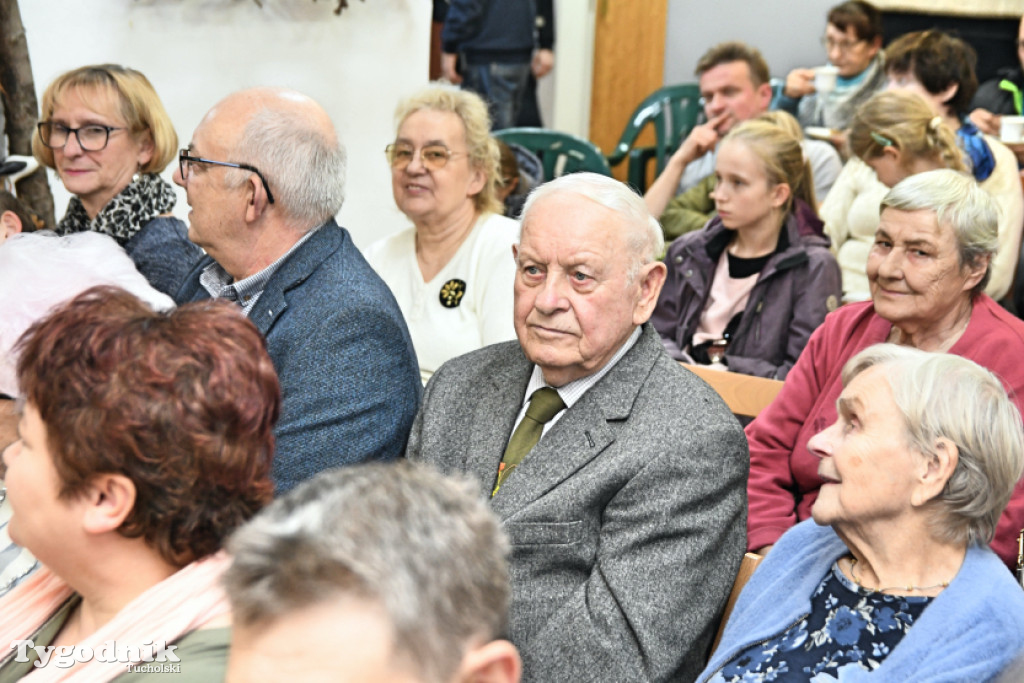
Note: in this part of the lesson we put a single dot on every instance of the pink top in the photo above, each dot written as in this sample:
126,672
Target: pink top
728,296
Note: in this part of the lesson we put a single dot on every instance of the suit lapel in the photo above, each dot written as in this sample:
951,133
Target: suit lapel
294,271
583,432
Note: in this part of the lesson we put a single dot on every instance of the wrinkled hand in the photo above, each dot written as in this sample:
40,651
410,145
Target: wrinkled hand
703,138
542,63
986,121
448,71
799,82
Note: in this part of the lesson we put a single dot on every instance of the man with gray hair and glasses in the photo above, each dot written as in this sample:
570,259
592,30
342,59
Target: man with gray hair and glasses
265,175
372,573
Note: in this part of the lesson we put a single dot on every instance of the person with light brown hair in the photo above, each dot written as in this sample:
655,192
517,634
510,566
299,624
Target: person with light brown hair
106,134
892,136
692,209
452,271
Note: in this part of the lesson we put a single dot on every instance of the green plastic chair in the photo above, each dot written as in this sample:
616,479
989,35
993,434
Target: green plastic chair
559,153
673,111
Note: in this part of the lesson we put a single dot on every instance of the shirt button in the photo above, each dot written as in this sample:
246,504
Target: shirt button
689,272
679,258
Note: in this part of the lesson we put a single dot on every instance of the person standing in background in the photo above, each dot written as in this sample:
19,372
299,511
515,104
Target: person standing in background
496,40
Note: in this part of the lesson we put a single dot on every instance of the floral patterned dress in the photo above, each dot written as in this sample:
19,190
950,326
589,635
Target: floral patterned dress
848,627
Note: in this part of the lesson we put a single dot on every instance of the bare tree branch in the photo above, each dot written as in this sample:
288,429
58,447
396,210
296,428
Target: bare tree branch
20,106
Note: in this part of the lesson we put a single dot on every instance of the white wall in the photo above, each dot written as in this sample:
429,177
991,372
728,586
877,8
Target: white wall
787,32
195,52
565,95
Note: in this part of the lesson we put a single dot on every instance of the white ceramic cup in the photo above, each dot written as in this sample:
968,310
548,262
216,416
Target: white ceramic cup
825,78
1011,128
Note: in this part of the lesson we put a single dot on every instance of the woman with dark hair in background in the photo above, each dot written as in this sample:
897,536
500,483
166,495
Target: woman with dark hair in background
940,68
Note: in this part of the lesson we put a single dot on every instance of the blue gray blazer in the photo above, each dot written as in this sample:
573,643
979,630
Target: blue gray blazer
349,377
627,520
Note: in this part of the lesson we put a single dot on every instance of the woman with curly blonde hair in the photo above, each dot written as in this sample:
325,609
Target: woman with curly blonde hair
452,271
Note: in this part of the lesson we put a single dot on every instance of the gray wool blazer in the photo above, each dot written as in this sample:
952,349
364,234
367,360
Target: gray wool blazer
627,520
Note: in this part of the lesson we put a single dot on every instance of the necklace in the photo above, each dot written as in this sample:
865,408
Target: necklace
908,588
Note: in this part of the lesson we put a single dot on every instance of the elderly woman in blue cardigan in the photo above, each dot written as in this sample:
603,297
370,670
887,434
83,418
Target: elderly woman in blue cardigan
892,579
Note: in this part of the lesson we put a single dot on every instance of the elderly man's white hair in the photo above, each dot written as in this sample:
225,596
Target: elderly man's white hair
291,139
645,237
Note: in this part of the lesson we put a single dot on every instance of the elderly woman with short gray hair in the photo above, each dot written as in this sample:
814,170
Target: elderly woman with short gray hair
927,269
893,580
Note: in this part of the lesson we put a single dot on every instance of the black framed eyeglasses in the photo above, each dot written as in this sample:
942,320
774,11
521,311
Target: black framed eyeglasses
91,138
185,161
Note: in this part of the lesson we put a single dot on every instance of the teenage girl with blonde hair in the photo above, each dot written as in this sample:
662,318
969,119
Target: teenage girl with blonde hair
746,291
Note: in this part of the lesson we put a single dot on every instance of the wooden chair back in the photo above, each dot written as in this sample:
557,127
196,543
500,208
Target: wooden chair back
745,395
747,567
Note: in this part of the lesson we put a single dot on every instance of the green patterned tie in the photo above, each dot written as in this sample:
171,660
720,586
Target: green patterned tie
545,403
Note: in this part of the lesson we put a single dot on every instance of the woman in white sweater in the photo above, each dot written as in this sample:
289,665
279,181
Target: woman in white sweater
452,271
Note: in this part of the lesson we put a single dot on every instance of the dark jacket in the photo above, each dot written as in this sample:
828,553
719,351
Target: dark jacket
1000,100
163,253
794,291
486,31
350,383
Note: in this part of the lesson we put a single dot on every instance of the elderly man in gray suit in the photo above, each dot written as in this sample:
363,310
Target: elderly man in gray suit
627,516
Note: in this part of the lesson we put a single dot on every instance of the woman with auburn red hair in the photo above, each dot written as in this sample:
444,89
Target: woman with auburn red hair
146,438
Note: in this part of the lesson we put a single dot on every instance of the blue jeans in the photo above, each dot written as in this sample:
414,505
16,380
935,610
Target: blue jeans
501,85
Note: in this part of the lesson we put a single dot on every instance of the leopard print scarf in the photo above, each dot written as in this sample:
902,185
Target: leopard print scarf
146,197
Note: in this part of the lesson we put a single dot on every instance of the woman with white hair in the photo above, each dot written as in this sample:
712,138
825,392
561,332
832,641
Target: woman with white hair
452,271
927,268
893,577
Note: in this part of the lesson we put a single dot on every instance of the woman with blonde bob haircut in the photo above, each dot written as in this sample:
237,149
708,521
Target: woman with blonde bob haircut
893,578
105,132
452,271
